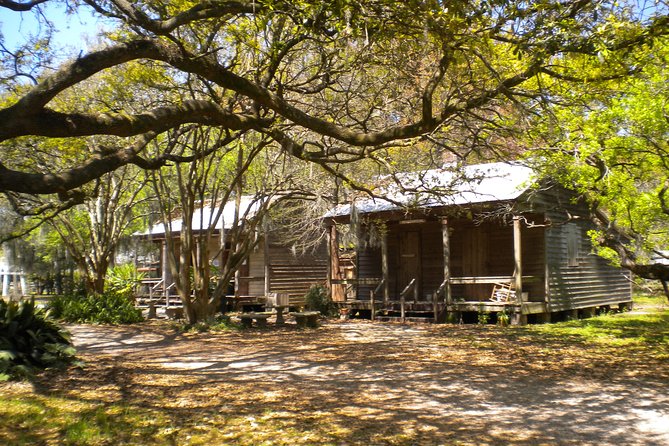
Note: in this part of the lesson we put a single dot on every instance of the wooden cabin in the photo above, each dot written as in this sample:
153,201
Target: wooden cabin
494,241
272,267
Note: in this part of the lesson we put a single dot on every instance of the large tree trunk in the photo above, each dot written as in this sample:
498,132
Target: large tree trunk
95,274
183,284
100,275
95,284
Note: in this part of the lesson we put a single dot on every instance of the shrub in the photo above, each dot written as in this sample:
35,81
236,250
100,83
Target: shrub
483,316
503,318
30,340
111,307
317,299
124,278
220,322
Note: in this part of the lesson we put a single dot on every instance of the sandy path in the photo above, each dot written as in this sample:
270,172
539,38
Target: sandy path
372,382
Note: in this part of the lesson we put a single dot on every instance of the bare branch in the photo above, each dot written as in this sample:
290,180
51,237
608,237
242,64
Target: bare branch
51,123
41,183
20,6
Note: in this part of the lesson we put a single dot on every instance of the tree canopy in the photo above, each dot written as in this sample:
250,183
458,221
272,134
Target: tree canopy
345,83
611,147
329,81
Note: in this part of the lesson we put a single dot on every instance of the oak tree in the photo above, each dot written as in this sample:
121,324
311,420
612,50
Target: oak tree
611,145
329,81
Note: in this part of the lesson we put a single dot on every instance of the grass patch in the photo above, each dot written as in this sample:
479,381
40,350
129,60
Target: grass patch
648,330
137,397
655,301
31,418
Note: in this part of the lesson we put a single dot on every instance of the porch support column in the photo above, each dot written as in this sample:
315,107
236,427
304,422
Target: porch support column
517,259
266,261
330,272
384,265
447,260
452,315
518,318
24,284
166,276
337,291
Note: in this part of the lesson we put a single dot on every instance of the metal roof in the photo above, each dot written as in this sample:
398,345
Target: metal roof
447,186
203,218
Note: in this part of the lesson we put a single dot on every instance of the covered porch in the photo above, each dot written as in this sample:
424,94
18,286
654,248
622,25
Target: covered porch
438,267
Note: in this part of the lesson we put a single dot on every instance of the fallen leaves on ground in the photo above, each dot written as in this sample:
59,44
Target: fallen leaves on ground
352,382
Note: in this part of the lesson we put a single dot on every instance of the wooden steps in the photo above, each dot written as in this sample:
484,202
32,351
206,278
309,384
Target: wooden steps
412,319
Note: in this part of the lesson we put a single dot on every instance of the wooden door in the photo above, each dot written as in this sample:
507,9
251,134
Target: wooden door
474,261
243,285
409,261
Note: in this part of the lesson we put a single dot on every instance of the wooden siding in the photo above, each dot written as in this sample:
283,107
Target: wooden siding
593,282
295,274
487,250
256,281
476,250
549,243
533,242
369,266
430,273
433,258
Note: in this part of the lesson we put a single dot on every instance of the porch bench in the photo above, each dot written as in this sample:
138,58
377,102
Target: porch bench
306,318
248,318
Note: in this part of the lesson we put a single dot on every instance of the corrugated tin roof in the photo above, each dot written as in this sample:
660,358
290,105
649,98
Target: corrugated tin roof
479,183
203,217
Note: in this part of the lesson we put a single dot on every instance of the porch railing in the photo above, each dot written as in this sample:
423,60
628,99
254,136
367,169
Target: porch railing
372,295
157,289
435,299
411,286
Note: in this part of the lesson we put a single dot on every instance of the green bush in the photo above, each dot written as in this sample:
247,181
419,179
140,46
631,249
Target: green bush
124,278
317,299
219,322
111,307
30,340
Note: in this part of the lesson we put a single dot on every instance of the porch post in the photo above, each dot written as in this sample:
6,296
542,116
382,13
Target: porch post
24,284
337,292
447,260
266,260
384,265
166,266
517,259
330,275
518,318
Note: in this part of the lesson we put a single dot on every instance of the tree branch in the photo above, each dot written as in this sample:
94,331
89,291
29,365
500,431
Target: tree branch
51,123
49,183
201,11
20,6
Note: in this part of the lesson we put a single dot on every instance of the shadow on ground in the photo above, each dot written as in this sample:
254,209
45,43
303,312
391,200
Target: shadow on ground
371,383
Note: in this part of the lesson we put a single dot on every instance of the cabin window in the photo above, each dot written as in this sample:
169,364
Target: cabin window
573,235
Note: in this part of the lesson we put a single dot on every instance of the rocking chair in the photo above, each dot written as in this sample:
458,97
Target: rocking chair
503,292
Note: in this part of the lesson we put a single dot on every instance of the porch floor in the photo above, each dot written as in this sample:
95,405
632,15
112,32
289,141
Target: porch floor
459,306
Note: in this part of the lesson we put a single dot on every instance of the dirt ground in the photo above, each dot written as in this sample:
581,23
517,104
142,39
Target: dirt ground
358,382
